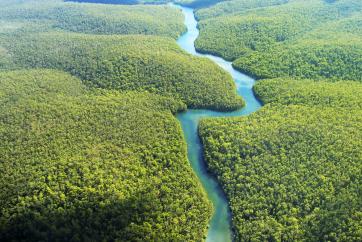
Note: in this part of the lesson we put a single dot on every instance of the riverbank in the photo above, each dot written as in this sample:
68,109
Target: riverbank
220,228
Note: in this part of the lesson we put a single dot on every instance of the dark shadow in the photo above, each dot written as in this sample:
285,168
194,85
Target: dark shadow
86,220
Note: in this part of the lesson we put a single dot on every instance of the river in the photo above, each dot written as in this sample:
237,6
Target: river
220,223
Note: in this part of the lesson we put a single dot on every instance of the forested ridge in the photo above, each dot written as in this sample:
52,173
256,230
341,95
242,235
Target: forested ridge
98,18
36,34
292,170
82,165
312,59
343,94
127,62
291,173
234,6
90,149
188,3
268,39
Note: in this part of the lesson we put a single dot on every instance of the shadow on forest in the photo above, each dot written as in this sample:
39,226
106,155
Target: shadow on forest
87,220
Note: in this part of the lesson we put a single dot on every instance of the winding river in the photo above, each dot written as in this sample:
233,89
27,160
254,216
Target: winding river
220,224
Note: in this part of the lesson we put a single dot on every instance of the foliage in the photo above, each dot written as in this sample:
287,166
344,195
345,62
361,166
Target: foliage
123,2
308,59
232,37
197,3
5,59
305,39
20,27
98,18
292,170
188,3
93,166
291,173
147,63
235,6
344,94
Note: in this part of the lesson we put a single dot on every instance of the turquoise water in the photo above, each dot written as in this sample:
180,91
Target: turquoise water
220,226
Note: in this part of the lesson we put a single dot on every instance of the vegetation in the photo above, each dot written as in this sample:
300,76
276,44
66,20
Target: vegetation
310,59
5,59
344,94
197,3
82,161
292,170
90,149
304,39
101,166
291,173
98,18
138,63
235,6
187,3
35,35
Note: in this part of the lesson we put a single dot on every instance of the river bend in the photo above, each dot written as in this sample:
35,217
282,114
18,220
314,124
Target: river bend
220,223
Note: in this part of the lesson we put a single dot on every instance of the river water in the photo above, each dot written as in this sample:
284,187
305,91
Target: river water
220,223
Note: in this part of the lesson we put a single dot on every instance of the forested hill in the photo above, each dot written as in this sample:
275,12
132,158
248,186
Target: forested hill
343,94
306,39
292,170
79,165
90,148
291,173
37,34
234,6
189,3
98,18
144,63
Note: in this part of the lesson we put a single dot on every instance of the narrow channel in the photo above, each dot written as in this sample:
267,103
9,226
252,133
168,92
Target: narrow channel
220,224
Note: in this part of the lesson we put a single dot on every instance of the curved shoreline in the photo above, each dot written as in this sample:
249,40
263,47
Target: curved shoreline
220,228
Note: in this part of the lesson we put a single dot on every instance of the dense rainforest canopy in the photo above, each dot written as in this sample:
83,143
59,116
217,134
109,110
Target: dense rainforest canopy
154,64
81,159
291,173
91,150
307,39
98,18
344,94
79,165
121,62
188,3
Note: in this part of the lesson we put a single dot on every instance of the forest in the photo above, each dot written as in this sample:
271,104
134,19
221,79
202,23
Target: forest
98,18
81,39
72,157
90,147
146,63
188,3
91,150
290,172
234,6
343,94
268,39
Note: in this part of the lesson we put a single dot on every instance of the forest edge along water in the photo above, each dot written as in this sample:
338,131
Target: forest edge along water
220,224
